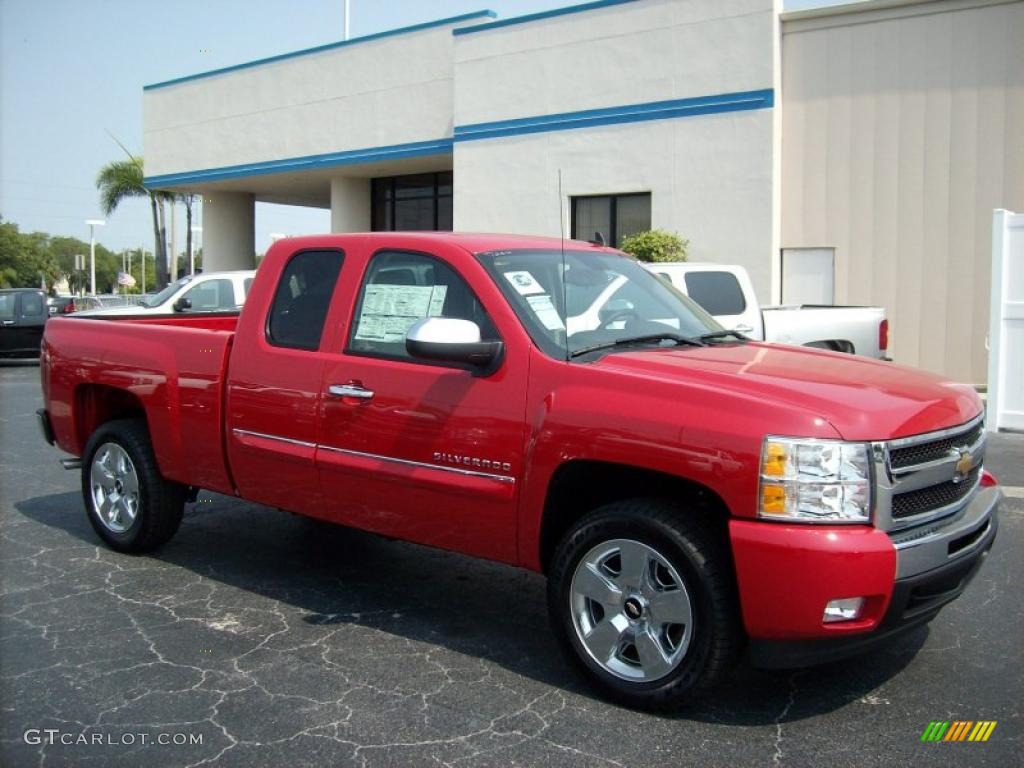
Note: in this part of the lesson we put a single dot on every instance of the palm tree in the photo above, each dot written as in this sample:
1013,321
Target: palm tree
188,199
121,179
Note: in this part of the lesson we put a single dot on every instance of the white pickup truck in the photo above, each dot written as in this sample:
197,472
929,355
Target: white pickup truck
725,292
205,292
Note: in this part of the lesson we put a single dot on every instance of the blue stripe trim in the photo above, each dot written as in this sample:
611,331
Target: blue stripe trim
540,15
308,163
329,47
633,113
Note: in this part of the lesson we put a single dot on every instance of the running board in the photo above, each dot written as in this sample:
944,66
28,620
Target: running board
71,463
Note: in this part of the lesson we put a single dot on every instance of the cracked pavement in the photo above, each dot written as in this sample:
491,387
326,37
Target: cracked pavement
283,641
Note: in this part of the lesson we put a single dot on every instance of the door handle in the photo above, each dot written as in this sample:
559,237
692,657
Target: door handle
743,328
352,389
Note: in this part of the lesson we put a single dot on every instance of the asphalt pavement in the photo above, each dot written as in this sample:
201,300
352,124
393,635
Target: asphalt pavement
257,638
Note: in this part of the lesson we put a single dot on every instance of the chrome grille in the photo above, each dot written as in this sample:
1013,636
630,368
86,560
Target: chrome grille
933,497
917,481
901,458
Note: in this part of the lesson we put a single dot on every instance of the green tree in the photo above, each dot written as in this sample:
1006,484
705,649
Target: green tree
119,180
656,245
25,258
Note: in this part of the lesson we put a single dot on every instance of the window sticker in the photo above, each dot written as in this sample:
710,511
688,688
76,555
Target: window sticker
524,282
389,310
545,311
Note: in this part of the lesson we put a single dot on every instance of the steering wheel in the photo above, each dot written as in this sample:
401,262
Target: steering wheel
617,316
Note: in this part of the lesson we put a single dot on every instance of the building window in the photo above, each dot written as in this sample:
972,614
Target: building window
616,217
410,203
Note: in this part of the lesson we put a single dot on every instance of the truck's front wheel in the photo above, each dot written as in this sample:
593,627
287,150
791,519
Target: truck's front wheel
644,599
130,505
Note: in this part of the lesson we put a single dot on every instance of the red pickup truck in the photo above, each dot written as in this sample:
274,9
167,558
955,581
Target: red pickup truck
690,494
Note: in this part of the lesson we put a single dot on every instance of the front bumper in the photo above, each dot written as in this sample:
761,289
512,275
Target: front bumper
906,581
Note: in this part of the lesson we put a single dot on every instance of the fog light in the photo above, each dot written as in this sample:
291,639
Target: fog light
846,609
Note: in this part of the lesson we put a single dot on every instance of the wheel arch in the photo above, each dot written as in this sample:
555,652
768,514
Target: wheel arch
97,404
581,485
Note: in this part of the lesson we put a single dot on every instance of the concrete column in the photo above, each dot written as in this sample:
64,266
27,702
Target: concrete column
350,204
229,231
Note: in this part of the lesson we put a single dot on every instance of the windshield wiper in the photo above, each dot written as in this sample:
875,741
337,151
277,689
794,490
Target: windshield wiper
723,335
677,338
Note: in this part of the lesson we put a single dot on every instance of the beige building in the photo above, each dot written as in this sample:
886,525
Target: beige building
852,154
902,130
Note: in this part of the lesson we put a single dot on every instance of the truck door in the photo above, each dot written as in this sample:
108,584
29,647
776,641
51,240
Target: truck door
273,399
32,316
418,450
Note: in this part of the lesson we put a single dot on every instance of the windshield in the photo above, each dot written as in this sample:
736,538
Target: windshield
611,299
166,293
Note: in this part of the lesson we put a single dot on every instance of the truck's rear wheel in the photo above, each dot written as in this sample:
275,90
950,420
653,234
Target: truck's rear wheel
130,505
644,600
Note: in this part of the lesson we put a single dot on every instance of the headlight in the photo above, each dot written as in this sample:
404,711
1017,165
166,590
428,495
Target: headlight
814,481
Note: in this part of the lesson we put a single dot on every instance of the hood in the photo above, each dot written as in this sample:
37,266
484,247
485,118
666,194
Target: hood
863,399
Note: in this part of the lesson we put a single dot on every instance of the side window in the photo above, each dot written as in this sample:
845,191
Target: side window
718,292
302,299
31,305
7,305
402,288
246,285
211,295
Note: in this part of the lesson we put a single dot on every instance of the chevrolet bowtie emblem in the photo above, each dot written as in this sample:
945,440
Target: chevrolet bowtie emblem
964,465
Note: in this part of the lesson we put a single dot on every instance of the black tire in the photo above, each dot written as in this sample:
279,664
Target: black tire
159,503
699,555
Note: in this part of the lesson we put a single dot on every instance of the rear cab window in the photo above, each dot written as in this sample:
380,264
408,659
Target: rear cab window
7,302
719,293
302,298
32,305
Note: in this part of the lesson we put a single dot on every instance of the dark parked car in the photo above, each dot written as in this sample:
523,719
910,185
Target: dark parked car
61,305
23,312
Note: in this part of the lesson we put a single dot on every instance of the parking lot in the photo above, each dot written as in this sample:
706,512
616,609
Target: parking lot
274,640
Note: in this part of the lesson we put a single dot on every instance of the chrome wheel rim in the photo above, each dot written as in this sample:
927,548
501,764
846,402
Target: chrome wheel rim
114,486
631,610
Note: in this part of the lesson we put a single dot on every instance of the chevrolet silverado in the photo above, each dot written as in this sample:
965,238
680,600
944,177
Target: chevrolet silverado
691,495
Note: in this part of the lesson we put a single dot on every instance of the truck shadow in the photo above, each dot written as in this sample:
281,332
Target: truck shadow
335,575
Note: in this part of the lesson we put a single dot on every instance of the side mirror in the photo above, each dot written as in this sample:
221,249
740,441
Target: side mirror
182,304
448,340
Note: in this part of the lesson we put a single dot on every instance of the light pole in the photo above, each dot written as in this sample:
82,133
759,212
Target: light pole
93,223
348,17
196,231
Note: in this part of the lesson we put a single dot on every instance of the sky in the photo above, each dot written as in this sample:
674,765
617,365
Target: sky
71,78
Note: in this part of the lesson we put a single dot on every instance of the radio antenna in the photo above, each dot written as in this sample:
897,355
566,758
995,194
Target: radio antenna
565,292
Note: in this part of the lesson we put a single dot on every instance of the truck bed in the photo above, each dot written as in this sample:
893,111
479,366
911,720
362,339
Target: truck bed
172,369
847,328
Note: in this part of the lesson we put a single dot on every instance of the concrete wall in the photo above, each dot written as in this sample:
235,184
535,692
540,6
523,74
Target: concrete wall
903,128
373,93
710,176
